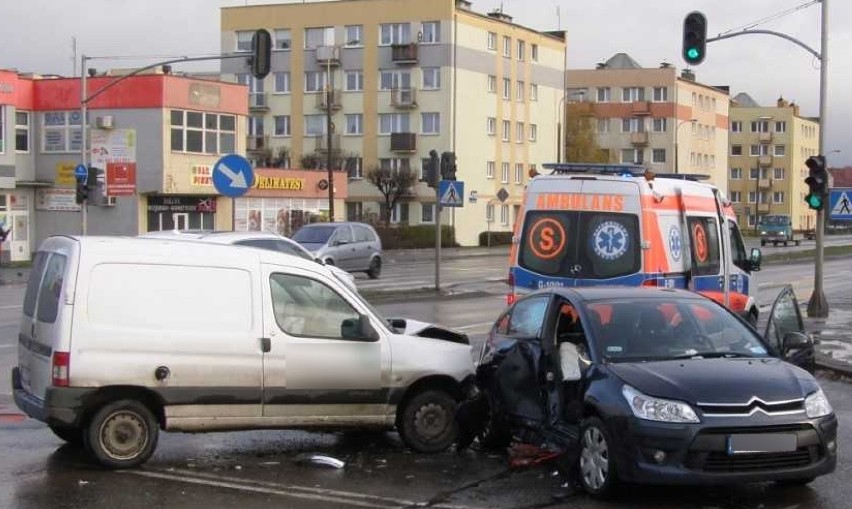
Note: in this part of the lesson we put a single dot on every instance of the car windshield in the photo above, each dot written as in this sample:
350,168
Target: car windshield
774,221
314,234
667,329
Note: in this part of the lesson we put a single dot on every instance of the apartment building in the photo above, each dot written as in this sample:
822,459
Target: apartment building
666,121
159,133
769,147
407,77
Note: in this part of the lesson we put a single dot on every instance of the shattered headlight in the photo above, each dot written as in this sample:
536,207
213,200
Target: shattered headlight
817,405
655,409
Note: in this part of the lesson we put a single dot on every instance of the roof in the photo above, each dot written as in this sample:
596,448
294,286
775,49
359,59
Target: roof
743,100
622,61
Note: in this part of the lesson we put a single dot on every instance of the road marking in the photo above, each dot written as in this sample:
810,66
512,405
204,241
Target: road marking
474,326
19,306
7,346
269,488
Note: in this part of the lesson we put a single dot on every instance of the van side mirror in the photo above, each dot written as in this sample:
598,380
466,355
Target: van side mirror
754,259
358,329
794,341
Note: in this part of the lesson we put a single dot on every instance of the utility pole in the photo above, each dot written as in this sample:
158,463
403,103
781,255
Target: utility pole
818,305
329,97
84,146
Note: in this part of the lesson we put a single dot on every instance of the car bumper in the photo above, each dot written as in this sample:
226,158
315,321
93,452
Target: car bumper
697,454
62,405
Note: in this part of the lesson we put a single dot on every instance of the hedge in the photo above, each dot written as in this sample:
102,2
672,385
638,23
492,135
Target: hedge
415,237
497,238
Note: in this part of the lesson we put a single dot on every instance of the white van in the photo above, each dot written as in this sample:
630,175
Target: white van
121,337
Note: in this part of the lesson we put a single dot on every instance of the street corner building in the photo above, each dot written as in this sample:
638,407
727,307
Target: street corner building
153,139
392,80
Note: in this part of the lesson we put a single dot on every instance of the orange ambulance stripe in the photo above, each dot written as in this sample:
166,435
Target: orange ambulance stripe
655,257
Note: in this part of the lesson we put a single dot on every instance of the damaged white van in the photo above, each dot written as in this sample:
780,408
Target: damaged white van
122,337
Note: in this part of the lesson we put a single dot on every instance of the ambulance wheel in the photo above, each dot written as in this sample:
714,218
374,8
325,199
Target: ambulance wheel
762,243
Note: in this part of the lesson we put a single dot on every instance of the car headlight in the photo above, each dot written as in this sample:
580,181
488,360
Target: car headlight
655,409
817,405
763,233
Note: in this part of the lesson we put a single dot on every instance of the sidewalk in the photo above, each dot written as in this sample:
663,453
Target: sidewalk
833,337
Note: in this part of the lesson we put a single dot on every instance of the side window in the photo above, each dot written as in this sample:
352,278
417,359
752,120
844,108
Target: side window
527,318
51,289
259,243
362,234
33,283
286,247
308,308
502,326
343,234
738,252
704,244
785,318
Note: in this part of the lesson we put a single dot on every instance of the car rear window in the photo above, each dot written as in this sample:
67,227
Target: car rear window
33,283
51,289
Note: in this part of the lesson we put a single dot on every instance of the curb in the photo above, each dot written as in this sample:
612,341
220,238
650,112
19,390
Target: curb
829,364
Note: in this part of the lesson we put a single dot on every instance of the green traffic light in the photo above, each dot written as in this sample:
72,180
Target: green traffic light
693,53
814,201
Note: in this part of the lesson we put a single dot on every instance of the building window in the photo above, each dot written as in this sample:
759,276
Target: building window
604,94
283,40
315,125
282,125
354,124
504,215
492,84
60,131
394,123
489,169
781,127
282,82
522,51
519,91
431,78
778,197
354,167
534,52
507,127
779,173
489,213
507,89
491,126
603,125
492,41
658,155
389,80
315,81
660,125
632,155
780,150
519,132
632,94
504,177
395,33
430,123
22,131
354,35
736,150
533,92
354,81
395,165
736,126
753,173
661,94
507,46
761,126
736,196
431,32
244,40
427,213
736,173
533,133
319,36
519,173
202,133
752,196
632,125
759,150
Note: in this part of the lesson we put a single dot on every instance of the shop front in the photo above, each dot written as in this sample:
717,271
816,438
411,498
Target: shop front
181,213
282,201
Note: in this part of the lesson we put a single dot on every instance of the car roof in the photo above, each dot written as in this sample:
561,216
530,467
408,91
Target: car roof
599,293
342,223
219,237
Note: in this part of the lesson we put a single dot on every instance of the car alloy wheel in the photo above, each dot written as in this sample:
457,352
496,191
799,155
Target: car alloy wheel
597,472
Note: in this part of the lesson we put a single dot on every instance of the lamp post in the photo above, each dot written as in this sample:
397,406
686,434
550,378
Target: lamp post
329,99
676,154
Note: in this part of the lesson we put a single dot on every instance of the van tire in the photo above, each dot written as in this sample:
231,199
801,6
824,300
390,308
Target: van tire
375,269
70,434
122,434
427,422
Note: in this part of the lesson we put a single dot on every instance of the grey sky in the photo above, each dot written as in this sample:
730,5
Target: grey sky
38,35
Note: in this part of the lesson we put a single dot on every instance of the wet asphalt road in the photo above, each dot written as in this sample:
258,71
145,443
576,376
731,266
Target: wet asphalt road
258,469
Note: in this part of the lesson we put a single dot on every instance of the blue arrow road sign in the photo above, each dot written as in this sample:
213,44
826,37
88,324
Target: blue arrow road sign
81,173
233,175
451,193
840,204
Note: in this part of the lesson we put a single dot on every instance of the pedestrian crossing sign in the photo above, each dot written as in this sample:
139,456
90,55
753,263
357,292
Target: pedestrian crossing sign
840,204
451,193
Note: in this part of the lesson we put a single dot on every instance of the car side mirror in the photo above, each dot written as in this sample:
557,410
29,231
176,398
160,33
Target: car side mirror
358,329
795,341
754,259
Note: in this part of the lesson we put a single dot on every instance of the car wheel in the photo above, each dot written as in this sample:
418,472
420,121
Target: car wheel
70,434
375,269
329,261
122,434
597,464
427,422
795,482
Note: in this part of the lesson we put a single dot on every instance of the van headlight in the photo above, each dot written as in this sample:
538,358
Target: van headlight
817,405
655,409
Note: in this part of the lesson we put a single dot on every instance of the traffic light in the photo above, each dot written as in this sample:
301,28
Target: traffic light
432,168
817,182
261,53
694,38
448,166
82,192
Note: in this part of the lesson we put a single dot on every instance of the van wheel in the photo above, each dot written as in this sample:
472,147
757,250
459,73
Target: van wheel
427,422
122,434
70,434
375,269
597,463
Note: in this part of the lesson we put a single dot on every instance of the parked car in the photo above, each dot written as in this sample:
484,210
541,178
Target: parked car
122,337
262,240
355,247
667,387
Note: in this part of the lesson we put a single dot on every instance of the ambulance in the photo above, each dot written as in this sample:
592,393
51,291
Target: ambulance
590,224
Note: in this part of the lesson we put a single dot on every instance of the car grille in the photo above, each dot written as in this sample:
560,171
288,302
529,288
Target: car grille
721,462
709,454
756,405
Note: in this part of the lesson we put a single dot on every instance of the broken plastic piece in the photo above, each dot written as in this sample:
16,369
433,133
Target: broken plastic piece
320,460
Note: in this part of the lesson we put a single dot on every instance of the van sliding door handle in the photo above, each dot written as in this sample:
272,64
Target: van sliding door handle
265,345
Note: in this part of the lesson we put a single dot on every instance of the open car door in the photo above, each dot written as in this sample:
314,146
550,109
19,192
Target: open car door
785,331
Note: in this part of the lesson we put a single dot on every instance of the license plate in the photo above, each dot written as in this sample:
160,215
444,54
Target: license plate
761,443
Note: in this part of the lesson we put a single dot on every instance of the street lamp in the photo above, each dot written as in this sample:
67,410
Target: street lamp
563,123
329,98
677,158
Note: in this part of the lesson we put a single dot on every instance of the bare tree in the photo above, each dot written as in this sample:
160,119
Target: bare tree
581,144
392,184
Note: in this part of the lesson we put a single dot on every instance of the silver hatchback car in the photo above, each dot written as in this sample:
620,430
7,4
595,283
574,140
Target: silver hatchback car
355,247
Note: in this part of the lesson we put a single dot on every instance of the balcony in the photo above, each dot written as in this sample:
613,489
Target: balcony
639,139
323,99
403,142
763,207
328,55
404,54
641,108
256,143
404,98
322,143
258,101
765,137
764,183
765,161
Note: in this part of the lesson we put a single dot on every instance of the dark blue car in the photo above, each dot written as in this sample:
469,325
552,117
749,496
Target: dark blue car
661,386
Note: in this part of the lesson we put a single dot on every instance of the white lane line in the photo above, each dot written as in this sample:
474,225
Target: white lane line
19,306
474,326
7,346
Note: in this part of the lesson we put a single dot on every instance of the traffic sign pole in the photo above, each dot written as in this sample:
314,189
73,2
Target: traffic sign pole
438,239
818,304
